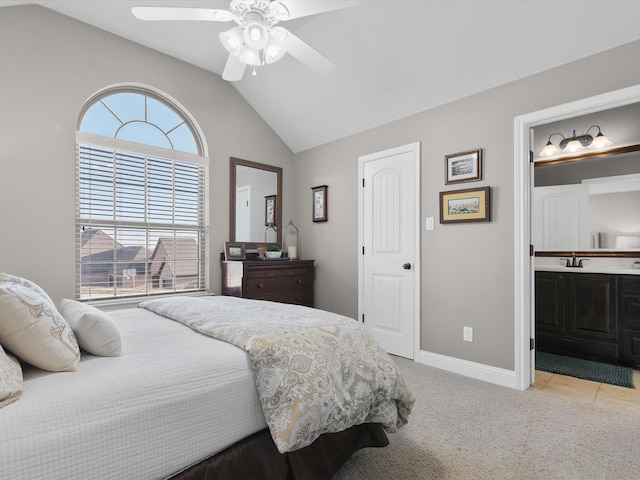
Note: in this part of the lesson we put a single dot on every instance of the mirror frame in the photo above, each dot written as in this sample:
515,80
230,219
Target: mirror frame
234,162
580,156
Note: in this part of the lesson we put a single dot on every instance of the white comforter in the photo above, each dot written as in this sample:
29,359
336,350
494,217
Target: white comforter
316,371
173,398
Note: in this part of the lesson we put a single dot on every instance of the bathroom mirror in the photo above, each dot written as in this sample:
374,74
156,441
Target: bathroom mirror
255,199
588,204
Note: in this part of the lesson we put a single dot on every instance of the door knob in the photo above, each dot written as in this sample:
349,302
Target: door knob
407,266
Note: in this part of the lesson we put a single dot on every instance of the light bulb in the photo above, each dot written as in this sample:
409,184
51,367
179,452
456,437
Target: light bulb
256,36
548,150
600,141
273,52
232,40
573,146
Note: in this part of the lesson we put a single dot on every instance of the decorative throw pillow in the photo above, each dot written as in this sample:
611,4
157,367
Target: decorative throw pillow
10,378
6,277
96,332
33,329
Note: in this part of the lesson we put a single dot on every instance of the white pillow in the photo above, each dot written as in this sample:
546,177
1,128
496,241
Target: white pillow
32,328
10,378
96,332
6,277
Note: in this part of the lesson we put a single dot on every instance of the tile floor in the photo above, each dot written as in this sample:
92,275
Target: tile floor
626,399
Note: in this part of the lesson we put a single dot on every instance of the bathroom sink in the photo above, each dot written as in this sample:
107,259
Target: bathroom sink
588,269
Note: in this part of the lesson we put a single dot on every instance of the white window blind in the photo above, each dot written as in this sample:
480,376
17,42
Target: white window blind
140,223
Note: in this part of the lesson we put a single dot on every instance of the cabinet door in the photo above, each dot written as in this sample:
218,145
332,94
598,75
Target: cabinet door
549,302
630,301
592,306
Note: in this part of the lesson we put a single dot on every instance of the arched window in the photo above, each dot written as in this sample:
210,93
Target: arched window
141,197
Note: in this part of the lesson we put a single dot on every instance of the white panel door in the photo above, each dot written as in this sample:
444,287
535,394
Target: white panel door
243,213
561,217
389,229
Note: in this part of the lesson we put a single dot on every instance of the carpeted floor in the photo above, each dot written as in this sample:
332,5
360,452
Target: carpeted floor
467,429
586,369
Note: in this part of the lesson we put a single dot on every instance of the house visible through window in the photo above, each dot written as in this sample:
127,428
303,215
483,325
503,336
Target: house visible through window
141,183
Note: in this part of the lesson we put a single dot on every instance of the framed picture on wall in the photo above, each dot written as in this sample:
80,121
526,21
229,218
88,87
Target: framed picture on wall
319,203
234,251
463,167
469,205
270,210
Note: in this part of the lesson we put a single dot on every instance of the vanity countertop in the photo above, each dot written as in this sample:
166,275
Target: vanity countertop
588,269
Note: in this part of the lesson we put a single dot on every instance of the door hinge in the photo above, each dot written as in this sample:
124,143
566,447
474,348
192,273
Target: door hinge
532,343
531,251
530,156
363,182
363,249
363,318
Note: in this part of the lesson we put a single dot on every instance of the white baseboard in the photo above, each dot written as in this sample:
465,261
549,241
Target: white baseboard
486,373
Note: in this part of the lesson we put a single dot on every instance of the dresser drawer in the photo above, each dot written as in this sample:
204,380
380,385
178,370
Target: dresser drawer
300,297
267,285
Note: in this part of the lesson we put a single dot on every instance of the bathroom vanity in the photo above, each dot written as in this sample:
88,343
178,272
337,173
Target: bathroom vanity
591,312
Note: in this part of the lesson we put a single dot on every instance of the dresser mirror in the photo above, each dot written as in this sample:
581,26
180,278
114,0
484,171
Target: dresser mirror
255,199
588,204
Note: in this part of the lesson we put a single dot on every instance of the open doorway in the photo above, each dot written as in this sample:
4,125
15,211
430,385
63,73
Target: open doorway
523,183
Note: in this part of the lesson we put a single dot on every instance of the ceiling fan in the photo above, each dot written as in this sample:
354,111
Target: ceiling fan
257,39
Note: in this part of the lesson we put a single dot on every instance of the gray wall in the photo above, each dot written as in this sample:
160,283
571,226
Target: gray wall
477,259
51,65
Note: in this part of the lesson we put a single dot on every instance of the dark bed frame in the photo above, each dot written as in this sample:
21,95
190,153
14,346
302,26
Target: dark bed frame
257,458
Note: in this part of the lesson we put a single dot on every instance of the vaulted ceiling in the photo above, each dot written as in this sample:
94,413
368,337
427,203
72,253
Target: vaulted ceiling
393,58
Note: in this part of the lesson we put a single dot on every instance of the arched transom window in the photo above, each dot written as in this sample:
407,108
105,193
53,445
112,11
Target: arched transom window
141,202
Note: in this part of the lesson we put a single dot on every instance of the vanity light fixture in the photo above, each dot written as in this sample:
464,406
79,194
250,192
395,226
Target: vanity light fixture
575,143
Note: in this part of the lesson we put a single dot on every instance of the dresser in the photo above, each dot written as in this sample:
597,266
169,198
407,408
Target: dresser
285,281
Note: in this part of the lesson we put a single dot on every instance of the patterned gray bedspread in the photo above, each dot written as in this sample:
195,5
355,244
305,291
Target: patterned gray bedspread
316,372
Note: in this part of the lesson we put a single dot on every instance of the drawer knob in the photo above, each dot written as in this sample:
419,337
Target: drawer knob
260,285
299,282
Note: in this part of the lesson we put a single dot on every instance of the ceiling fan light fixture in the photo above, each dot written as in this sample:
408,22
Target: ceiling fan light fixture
256,36
273,52
257,39
232,40
250,57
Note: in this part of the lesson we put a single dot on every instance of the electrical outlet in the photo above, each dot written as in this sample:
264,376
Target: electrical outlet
467,334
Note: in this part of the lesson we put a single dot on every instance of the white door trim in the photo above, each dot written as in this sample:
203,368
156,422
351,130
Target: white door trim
413,148
523,271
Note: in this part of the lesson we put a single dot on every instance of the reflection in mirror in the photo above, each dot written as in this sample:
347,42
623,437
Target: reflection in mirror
588,204
255,200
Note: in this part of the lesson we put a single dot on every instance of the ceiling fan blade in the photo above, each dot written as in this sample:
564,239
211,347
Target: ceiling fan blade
178,13
303,8
305,53
234,69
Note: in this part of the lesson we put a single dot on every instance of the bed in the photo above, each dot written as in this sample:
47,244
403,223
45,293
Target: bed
171,403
